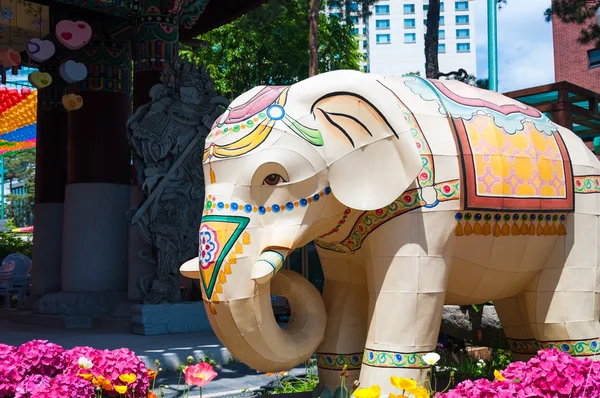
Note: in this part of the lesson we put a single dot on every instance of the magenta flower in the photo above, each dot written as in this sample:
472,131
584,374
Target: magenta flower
31,386
41,357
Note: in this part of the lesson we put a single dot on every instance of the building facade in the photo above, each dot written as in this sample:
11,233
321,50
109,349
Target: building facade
394,41
574,62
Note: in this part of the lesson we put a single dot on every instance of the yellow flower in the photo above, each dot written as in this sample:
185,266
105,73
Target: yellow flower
498,375
86,376
121,389
397,396
371,392
403,383
127,378
419,392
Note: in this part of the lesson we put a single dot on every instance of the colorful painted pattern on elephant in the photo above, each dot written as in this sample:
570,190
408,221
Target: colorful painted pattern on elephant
338,361
587,184
507,224
577,348
371,220
254,120
525,170
390,359
213,204
219,244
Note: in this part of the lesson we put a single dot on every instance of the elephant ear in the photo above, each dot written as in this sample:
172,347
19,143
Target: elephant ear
371,153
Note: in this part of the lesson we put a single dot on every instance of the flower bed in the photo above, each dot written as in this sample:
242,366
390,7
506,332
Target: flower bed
39,369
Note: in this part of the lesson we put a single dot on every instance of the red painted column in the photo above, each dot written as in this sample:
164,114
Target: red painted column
99,174
50,180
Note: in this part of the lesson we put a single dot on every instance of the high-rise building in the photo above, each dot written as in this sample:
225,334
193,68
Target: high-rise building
392,39
575,62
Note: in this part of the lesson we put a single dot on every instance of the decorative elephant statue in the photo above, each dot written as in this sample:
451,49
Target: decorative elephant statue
417,193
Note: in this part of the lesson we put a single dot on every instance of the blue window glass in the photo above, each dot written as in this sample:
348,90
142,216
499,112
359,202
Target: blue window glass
462,19
382,24
463,47
355,31
364,44
364,31
410,37
335,14
442,6
409,24
442,21
382,10
353,7
383,39
409,8
594,58
463,33
425,7
441,48
354,19
442,34
461,6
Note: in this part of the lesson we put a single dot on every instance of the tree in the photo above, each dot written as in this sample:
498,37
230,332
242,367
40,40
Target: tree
268,46
432,69
581,12
21,168
347,9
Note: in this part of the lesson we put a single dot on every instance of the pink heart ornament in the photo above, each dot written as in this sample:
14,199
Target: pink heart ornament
72,71
40,50
9,58
73,35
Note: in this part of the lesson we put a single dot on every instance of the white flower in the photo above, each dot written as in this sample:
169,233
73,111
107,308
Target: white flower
480,364
85,363
431,358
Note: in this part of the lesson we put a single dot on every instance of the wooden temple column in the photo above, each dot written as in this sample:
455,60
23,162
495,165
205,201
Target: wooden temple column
155,44
98,180
50,180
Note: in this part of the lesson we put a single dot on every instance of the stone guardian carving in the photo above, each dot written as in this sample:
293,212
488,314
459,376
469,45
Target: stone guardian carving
167,136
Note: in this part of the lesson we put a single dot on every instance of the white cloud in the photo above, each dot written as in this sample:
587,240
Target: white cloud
525,49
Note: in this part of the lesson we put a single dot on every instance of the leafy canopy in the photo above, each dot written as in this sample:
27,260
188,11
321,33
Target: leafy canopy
580,12
21,167
269,46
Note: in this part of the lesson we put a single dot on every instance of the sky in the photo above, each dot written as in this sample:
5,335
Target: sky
525,51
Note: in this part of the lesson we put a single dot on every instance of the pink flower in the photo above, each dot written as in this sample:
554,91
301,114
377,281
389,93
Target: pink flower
66,386
41,357
30,386
199,375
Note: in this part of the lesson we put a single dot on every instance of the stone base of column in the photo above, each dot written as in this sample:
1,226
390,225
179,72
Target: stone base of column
153,319
47,248
80,303
137,267
95,239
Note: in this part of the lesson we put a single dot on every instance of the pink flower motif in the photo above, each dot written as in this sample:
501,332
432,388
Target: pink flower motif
199,375
32,386
41,357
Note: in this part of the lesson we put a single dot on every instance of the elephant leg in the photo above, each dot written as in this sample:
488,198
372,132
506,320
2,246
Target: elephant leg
406,300
345,297
563,310
512,312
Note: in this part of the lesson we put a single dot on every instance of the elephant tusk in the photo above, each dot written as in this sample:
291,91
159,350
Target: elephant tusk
191,269
268,263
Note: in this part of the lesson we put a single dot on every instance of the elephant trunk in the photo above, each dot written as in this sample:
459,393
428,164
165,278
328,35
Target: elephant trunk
247,326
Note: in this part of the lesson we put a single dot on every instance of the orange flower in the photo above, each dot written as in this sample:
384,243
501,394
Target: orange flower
107,385
151,395
121,389
151,373
86,376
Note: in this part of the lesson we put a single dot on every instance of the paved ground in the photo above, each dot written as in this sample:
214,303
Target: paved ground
234,379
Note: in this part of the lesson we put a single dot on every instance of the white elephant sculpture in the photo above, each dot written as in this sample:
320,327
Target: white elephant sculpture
418,193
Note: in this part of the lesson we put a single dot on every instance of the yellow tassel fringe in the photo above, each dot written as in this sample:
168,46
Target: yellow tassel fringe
510,227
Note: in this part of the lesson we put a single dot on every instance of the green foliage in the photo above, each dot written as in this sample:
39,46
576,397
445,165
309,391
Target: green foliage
21,167
291,384
12,243
580,12
466,367
269,46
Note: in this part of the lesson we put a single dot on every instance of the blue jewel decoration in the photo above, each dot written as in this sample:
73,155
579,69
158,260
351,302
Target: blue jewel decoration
262,210
327,191
563,218
234,206
564,347
516,217
532,217
248,208
303,202
316,197
548,217
497,217
289,206
275,208
477,217
220,205
458,216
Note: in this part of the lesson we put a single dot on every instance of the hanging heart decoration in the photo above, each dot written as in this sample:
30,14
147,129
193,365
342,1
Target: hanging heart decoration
72,102
9,58
72,71
73,35
40,50
39,79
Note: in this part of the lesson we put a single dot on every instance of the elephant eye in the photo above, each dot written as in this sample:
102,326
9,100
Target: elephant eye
273,179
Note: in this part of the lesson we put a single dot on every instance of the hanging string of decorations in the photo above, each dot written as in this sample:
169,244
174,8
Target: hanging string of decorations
18,119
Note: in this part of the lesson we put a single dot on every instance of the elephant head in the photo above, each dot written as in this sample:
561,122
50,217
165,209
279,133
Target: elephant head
281,164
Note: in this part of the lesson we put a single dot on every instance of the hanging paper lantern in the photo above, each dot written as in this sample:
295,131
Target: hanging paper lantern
18,117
